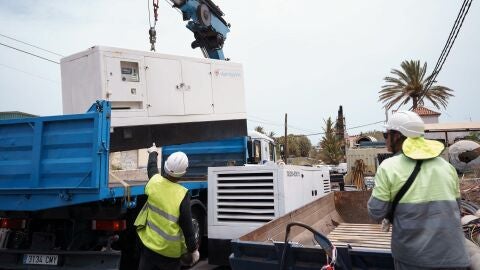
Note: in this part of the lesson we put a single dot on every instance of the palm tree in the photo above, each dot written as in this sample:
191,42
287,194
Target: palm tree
260,129
409,84
331,145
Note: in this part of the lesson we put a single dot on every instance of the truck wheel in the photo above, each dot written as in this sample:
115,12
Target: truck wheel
198,220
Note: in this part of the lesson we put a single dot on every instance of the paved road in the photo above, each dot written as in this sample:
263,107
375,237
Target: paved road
203,265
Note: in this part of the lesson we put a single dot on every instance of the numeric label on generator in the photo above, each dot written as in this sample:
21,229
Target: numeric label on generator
293,173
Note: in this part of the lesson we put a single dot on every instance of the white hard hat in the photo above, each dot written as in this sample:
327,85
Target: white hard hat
176,164
406,122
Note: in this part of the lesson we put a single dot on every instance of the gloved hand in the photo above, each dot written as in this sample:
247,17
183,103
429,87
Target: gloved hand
152,149
195,257
189,259
385,225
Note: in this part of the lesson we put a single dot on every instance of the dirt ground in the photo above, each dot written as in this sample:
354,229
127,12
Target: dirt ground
470,190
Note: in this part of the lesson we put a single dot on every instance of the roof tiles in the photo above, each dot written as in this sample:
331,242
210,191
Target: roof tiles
422,111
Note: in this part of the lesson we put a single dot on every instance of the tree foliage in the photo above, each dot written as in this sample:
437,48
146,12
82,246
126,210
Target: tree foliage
473,136
304,145
298,145
331,151
409,84
260,129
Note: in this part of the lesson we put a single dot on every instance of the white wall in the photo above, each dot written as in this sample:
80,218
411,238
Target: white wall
451,135
430,119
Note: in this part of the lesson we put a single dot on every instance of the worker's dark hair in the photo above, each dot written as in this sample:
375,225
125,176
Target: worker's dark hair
396,142
170,178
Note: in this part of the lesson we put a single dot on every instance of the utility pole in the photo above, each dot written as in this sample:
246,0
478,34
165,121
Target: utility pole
340,129
286,140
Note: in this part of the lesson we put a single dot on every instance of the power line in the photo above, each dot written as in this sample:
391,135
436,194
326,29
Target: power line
450,36
32,54
448,46
272,124
261,122
323,133
267,122
23,42
313,133
365,125
279,124
28,73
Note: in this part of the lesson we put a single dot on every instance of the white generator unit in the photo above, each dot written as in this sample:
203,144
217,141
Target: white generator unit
148,88
241,199
169,99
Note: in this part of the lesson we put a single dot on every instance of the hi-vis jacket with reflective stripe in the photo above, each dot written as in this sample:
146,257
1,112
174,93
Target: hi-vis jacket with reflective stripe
426,229
157,223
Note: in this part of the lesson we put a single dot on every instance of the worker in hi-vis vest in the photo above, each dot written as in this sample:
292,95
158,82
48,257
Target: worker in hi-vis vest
426,228
164,225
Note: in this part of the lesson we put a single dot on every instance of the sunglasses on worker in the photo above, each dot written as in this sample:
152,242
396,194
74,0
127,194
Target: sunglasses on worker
385,134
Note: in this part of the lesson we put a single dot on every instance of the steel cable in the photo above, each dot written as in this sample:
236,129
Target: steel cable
448,46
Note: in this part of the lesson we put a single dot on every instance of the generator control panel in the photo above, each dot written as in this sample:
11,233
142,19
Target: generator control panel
129,71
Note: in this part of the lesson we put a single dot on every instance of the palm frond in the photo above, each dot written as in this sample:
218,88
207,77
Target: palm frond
409,84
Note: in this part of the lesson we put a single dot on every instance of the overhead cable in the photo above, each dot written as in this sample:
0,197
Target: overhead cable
277,125
32,54
28,73
448,46
269,122
365,125
317,133
453,33
31,45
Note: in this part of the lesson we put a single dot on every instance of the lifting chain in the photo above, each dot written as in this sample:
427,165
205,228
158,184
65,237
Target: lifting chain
152,32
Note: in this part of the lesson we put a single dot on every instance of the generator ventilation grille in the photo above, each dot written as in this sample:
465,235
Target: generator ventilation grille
245,197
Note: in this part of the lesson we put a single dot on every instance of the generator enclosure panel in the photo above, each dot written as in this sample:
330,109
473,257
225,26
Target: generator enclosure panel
147,88
241,199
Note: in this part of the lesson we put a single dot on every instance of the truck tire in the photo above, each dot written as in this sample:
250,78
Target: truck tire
198,220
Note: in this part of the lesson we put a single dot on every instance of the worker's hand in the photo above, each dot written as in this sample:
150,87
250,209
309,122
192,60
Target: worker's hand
195,256
153,149
189,259
385,225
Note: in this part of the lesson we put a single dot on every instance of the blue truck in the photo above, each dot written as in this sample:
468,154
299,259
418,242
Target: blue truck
58,208
60,205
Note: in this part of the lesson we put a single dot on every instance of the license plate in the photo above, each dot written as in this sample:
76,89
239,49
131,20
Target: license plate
42,259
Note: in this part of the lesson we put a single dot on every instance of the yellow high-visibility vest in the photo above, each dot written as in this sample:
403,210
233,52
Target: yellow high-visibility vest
157,222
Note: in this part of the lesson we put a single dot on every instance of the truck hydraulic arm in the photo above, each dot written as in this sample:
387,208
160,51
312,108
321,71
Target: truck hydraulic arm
208,27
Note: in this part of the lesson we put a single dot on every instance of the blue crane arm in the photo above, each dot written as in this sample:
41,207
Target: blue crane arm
208,27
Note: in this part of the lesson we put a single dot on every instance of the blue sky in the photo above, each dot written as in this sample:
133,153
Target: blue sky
304,58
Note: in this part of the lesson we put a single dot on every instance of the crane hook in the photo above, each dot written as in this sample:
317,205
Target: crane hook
153,38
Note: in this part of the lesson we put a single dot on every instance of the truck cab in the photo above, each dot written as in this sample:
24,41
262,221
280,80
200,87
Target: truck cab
260,148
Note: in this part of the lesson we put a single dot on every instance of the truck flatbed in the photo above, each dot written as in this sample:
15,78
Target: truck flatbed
57,161
341,216
361,236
